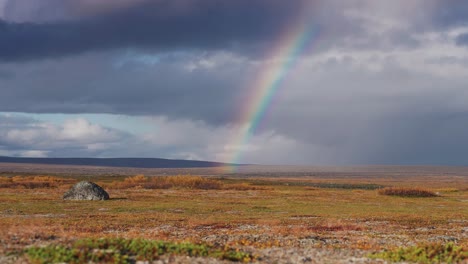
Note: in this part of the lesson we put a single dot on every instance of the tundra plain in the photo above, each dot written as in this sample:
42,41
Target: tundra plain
266,214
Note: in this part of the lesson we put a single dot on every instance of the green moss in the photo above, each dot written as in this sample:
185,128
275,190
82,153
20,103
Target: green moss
426,253
126,251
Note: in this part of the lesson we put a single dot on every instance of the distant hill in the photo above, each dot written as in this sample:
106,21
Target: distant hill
117,162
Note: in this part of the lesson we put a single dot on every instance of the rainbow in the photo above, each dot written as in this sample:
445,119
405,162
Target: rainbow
264,88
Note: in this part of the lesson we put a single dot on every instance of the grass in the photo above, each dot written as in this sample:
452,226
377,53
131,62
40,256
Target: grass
426,253
118,250
407,192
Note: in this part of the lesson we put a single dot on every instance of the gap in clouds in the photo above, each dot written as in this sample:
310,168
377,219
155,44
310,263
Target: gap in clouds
69,135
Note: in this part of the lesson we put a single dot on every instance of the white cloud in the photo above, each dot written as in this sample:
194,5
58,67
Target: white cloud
28,137
82,130
214,61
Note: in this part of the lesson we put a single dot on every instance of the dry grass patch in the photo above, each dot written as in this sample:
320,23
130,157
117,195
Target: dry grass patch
407,192
242,187
447,190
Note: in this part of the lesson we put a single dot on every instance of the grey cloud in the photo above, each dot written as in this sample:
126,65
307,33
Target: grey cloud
34,10
6,75
392,116
436,138
449,60
451,13
462,40
430,138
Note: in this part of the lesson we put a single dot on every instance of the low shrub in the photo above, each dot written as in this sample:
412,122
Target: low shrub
31,182
117,250
425,253
167,182
192,182
181,181
407,192
131,182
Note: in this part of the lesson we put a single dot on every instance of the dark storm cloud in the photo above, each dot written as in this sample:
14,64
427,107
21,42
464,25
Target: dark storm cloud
247,26
109,83
206,24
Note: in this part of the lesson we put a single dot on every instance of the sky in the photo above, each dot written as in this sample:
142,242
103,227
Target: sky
312,82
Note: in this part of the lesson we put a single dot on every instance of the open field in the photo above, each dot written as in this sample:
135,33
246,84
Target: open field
271,214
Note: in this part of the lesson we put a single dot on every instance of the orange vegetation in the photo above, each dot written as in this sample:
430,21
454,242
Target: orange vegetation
179,181
31,182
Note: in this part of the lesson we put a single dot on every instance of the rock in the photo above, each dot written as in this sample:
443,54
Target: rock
86,191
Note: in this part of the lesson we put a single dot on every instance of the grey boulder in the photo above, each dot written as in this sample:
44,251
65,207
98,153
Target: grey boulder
86,191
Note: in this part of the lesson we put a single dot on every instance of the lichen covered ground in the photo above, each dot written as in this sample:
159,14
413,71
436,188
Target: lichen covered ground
308,219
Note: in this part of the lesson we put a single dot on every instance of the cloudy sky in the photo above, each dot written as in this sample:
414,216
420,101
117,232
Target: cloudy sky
374,81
